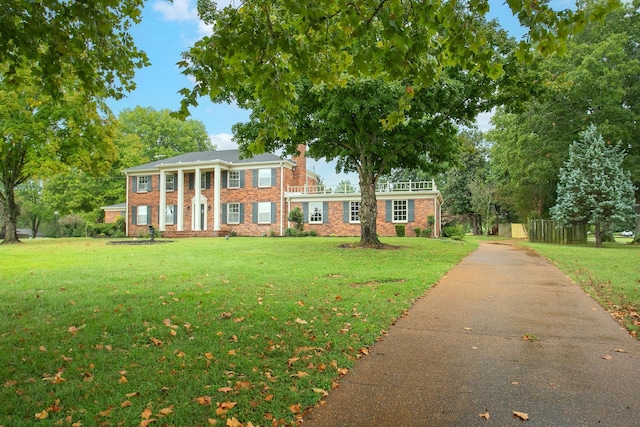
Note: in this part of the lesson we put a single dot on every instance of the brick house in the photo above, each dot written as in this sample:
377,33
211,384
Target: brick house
215,193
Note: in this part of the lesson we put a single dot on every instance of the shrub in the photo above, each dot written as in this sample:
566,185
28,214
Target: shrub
313,233
426,232
417,231
297,217
291,232
455,232
399,230
72,226
430,221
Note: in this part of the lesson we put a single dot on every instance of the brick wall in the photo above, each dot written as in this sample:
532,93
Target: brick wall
337,226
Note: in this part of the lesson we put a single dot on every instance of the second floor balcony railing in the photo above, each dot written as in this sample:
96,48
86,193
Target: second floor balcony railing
384,187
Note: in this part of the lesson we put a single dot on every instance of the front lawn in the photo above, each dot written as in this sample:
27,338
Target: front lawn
198,331
610,274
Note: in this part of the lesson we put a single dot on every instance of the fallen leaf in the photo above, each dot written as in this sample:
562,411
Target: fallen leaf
521,415
146,414
123,380
134,394
126,403
156,341
486,415
232,422
619,350
607,357
166,411
299,321
295,408
42,415
468,329
231,352
225,389
300,374
204,400
243,385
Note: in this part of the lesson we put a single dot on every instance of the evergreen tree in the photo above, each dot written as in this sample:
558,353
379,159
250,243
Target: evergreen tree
593,187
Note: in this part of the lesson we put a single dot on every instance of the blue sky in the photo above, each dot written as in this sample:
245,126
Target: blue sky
168,29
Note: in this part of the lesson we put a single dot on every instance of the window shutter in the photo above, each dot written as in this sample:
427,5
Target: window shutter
305,212
191,183
223,178
134,215
410,211
149,215
207,180
224,213
254,212
150,181
175,214
241,173
274,177
388,211
241,213
345,212
134,184
325,212
255,178
273,212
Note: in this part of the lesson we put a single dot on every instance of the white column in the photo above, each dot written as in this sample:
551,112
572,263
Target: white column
196,201
180,207
217,178
163,200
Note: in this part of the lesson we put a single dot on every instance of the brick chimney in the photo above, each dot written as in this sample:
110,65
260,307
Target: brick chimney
300,172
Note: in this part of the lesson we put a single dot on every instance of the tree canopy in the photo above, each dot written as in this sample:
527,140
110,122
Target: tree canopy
88,39
163,135
595,82
593,187
346,124
42,135
261,50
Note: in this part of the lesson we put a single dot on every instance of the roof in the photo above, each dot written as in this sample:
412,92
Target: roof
227,156
116,207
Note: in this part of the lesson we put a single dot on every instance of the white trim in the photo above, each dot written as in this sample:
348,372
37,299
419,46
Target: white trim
217,177
162,223
180,220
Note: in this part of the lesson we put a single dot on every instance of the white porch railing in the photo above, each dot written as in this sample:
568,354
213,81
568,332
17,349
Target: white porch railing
385,187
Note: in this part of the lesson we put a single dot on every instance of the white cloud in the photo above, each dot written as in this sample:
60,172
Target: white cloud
177,10
223,141
483,121
182,11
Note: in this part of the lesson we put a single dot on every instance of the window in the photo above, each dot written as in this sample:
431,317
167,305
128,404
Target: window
264,213
399,211
203,180
143,218
315,212
264,177
354,212
233,213
170,215
143,184
171,182
233,179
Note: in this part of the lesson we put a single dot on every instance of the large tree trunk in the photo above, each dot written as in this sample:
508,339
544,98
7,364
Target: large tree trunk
368,210
10,209
598,236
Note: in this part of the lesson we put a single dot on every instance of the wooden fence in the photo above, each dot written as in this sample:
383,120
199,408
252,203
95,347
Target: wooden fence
546,231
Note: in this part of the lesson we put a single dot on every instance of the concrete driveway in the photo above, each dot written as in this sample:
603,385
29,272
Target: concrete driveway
503,331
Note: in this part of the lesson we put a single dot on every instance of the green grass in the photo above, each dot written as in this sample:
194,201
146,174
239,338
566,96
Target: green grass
610,274
97,334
